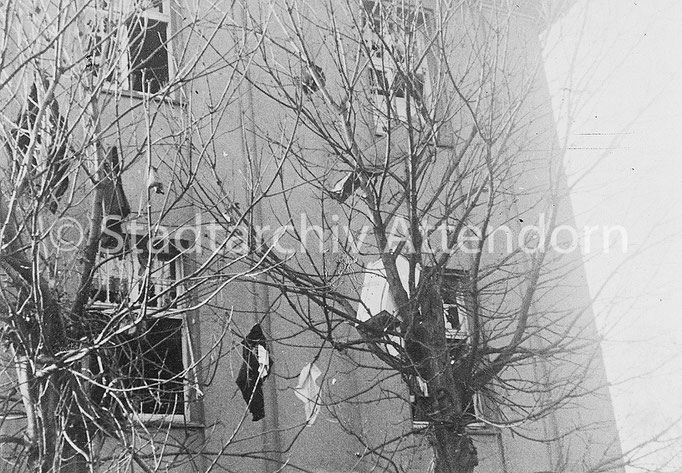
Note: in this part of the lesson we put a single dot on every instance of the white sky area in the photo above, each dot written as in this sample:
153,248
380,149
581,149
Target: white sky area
624,87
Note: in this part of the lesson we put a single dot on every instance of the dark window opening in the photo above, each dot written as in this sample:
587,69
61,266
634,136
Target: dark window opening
148,55
379,82
469,407
144,366
451,313
421,405
454,300
154,366
146,371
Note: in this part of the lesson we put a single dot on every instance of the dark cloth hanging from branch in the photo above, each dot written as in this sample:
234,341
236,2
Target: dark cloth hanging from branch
345,187
113,198
21,135
308,81
114,202
351,182
254,370
57,163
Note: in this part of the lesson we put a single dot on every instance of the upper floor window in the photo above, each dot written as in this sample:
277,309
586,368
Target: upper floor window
455,306
394,39
129,43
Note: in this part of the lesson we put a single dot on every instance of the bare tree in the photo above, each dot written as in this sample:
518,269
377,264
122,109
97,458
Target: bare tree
423,138
405,152
98,295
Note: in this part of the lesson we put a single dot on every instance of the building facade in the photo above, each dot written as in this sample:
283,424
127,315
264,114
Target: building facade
256,163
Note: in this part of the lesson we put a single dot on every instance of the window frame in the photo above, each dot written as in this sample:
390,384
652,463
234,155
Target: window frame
185,416
389,105
452,281
472,409
128,259
124,15
452,284
175,311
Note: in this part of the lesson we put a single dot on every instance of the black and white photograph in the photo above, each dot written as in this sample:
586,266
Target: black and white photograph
340,236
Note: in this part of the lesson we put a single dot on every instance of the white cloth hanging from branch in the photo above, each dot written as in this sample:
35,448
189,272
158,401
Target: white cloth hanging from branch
376,295
308,391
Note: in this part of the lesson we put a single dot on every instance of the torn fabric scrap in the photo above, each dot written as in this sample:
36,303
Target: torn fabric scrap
345,187
308,80
115,204
51,135
351,182
154,183
308,391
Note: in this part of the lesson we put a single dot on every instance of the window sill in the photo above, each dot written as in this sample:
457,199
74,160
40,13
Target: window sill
456,335
478,428
170,421
482,429
443,145
170,98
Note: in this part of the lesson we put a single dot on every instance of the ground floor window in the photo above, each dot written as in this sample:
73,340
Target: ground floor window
145,371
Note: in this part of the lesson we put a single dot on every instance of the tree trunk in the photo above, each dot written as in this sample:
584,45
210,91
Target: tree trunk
47,399
426,344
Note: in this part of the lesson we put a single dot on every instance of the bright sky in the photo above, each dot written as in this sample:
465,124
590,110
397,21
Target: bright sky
627,78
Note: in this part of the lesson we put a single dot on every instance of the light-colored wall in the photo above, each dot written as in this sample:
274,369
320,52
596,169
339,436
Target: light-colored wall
324,446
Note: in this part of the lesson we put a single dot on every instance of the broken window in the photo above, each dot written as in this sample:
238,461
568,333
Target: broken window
136,277
150,367
148,54
455,306
394,39
128,42
456,315
144,374
424,412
